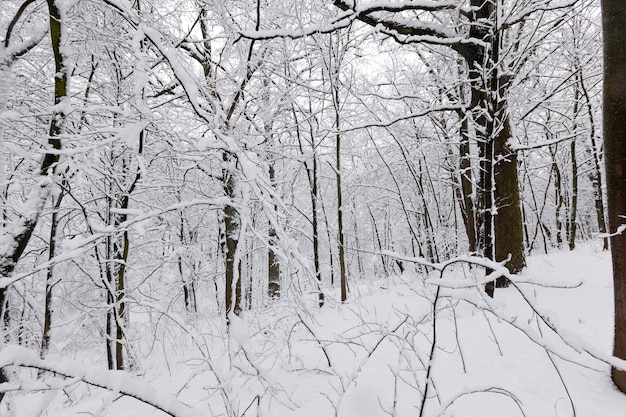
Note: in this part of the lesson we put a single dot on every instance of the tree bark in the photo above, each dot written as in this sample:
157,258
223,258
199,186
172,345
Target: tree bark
467,184
479,64
571,221
508,227
231,241
273,266
614,110
50,278
340,235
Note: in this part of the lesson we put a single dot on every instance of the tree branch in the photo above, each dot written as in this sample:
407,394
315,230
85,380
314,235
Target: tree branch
115,381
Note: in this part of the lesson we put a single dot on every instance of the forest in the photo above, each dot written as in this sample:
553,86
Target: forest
307,208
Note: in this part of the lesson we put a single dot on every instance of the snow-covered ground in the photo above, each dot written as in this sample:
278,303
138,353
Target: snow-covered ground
370,356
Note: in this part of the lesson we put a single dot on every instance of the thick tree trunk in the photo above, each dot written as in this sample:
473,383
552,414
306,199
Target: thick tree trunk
501,232
508,225
481,104
614,110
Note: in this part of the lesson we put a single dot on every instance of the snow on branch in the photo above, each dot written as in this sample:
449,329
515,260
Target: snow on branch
384,16
115,381
77,246
567,339
400,6
344,21
415,30
15,236
391,122
518,147
537,7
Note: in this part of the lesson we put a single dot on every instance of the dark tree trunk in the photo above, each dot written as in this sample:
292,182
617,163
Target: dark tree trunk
50,278
508,225
481,105
571,221
340,234
117,256
120,301
558,196
467,184
614,110
315,224
273,266
231,240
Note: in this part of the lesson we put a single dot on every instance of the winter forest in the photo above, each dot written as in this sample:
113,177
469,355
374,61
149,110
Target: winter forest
315,208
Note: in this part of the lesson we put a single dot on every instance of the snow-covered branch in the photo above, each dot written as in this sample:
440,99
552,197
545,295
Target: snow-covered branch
115,381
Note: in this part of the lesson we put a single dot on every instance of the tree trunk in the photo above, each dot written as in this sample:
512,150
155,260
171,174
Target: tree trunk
231,240
273,267
187,279
121,302
558,196
481,106
508,225
316,238
311,172
340,234
467,184
614,110
333,66
595,175
117,256
50,279
383,258
502,232
571,226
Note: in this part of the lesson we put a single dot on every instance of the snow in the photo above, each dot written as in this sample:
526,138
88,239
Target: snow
10,115
368,357
115,381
